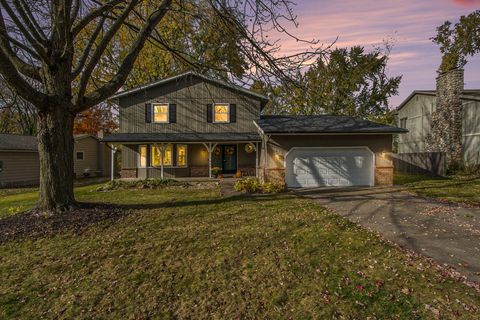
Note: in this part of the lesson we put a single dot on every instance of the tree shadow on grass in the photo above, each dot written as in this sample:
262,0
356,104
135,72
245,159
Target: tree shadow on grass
32,224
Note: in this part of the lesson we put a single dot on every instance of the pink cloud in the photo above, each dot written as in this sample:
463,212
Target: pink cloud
467,3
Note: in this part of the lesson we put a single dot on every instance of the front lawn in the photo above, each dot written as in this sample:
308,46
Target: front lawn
453,189
181,253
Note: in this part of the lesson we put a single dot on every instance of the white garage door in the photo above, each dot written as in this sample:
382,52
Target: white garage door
316,167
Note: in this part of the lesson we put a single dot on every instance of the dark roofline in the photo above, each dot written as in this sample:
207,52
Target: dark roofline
465,96
222,83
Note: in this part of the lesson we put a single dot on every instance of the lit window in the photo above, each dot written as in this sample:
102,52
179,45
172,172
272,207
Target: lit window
181,155
167,156
160,112
221,112
143,156
80,155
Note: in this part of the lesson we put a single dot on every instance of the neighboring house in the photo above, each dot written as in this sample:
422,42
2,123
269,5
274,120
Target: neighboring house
415,114
19,164
91,157
200,123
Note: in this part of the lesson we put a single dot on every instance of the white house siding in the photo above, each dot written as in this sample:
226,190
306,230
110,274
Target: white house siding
471,132
418,112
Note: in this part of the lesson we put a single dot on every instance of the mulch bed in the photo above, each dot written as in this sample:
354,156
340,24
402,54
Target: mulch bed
33,224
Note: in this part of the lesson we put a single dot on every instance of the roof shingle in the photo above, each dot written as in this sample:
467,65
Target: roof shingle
323,124
16,142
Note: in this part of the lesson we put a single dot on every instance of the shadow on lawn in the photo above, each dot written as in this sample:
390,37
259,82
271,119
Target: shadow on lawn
32,224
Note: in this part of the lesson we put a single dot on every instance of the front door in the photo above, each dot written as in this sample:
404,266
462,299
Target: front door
225,157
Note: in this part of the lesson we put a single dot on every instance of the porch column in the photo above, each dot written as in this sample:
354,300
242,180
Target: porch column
265,139
210,149
112,162
162,148
256,159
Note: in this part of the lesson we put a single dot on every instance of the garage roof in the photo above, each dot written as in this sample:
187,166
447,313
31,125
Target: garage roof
323,124
183,137
16,142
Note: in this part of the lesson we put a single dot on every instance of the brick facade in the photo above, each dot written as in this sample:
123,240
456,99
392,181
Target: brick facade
384,176
128,173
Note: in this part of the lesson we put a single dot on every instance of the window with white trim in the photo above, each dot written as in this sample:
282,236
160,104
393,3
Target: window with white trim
221,113
160,112
157,156
403,123
142,153
181,155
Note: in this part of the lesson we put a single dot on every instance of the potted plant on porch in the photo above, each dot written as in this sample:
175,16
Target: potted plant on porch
216,171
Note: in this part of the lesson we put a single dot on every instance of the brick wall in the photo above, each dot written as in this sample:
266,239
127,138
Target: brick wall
128,173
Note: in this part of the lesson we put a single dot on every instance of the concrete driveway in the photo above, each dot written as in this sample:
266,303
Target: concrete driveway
448,233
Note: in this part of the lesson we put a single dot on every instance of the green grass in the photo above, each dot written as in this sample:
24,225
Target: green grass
193,254
453,189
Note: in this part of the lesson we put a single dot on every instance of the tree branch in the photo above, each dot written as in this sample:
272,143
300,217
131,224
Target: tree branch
81,62
30,21
38,46
94,14
25,68
117,81
97,54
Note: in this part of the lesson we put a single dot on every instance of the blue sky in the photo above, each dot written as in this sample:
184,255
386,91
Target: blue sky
410,22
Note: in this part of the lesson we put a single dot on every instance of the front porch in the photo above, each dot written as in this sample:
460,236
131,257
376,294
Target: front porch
180,160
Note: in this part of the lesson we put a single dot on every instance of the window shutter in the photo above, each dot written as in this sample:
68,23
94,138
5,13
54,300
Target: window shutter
172,113
233,113
149,155
209,112
148,113
174,155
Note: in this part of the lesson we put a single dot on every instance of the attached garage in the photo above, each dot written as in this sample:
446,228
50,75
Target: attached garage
326,150
327,166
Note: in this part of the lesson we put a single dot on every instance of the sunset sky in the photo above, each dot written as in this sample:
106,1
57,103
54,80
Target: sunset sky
367,22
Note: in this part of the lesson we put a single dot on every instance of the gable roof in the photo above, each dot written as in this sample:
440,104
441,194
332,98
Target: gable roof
468,94
322,124
218,82
17,142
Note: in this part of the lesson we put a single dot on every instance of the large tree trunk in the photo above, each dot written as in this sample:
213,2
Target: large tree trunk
55,147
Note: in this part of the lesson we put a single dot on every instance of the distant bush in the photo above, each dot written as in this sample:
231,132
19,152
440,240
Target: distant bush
253,185
140,184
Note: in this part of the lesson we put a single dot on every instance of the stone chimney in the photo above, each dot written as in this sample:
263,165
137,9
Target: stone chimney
446,133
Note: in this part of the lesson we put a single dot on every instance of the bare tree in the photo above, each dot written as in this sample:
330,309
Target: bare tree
62,44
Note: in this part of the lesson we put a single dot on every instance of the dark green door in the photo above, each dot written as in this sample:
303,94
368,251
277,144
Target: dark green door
225,157
229,153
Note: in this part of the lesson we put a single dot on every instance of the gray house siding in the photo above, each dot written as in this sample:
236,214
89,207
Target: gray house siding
418,113
191,96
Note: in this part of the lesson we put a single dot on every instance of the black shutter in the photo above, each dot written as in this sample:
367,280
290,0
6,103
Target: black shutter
174,155
148,113
233,113
149,156
209,112
172,113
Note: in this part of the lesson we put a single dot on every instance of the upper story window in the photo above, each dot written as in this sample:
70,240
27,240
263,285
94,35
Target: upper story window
221,113
403,123
160,112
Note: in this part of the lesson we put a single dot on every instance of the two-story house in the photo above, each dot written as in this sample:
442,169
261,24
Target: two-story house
188,124
415,115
